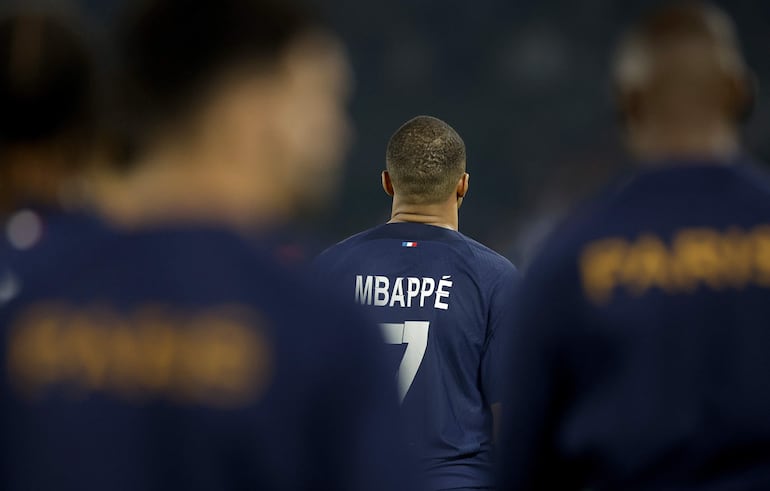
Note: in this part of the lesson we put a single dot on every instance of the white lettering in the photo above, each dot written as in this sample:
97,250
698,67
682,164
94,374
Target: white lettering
428,286
363,290
441,293
403,292
398,293
412,290
381,287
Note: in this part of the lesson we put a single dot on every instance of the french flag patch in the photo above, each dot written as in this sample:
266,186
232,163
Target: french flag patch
408,244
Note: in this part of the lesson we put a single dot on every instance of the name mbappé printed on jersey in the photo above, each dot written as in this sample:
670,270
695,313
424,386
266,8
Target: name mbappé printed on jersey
403,292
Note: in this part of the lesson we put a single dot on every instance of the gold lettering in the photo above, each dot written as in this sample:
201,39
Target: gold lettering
600,265
85,350
761,240
33,358
159,342
697,259
736,252
646,266
126,364
218,358
231,360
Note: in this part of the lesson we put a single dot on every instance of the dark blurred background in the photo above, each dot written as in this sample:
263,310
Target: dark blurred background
526,83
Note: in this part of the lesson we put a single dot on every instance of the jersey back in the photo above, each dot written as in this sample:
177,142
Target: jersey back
441,300
179,358
645,321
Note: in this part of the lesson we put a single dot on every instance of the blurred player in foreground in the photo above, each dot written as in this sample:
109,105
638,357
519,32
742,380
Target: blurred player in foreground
282,136
173,357
295,123
440,297
640,358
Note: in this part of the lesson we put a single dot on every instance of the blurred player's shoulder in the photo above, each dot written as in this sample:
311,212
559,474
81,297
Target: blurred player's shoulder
757,175
333,252
569,230
658,204
37,242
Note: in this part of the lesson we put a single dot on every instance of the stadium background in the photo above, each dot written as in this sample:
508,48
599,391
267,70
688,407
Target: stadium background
526,83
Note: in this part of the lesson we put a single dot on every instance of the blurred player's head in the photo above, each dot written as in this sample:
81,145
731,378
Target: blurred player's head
426,164
682,82
241,103
46,107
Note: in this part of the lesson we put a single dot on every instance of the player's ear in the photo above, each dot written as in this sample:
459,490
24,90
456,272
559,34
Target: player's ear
462,188
627,104
387,184
462,185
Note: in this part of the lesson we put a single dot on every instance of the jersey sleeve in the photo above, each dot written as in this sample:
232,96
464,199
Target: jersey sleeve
499,329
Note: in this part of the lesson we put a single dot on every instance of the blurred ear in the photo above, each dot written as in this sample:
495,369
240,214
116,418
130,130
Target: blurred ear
743,95
627,105
387,184
462,188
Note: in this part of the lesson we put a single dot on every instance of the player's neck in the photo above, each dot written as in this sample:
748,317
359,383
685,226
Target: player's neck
436,214
698,143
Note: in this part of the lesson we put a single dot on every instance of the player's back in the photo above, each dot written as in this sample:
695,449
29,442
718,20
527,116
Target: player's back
176,358
439,298
647,317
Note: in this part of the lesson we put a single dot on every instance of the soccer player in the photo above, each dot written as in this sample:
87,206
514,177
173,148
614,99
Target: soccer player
441,300
640,356
171,356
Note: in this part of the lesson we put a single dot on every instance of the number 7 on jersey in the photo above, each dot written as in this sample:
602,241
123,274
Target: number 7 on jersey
415,335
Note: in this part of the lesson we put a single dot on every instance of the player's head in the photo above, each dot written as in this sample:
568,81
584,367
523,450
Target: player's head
680,71
46,106
316,80
253,89
425,162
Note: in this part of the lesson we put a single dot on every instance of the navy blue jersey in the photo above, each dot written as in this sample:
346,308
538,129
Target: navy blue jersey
50,235
180,359
442,301
640,358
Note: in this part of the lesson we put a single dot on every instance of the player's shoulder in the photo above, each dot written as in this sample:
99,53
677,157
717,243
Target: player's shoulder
192,266
277,289
616,208
35,229
203,255
587,220
197,237
485,257
638,194
39,241
180,252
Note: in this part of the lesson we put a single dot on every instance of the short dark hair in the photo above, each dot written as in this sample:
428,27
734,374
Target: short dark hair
46,78
425,159
173,51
